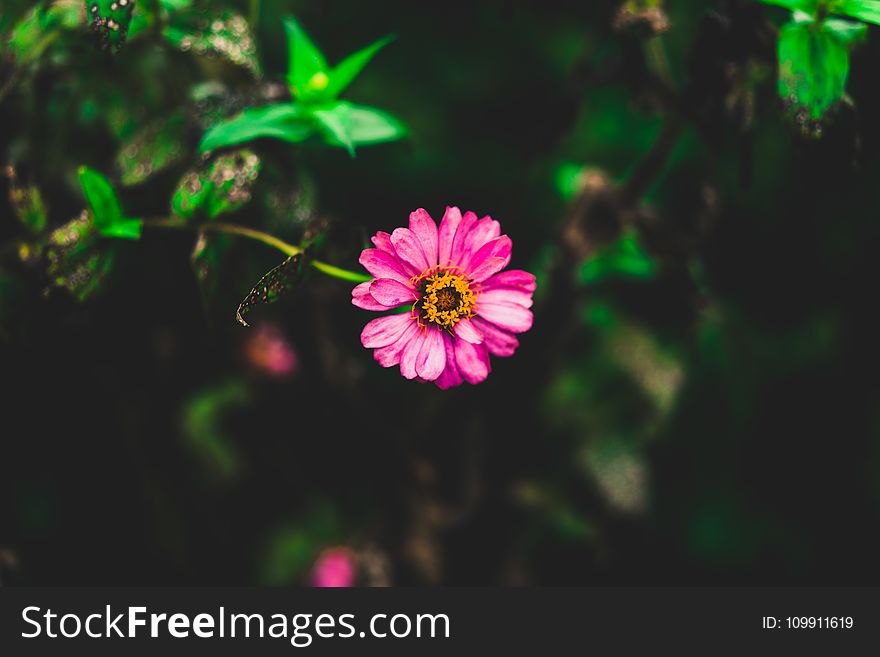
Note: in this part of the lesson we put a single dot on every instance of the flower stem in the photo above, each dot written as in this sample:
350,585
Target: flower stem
259,236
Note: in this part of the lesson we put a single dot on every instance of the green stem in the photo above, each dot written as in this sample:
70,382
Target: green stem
259,236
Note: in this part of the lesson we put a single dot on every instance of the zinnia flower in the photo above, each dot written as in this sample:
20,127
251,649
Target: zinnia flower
463,307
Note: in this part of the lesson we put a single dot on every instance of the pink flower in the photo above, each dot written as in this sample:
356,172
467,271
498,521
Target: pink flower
267,351
463,307
335,567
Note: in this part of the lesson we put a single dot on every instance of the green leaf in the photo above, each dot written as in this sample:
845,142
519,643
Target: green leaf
283,121
32,35
813,67
335,123
625,258
848,33
864,10
27,203
348,125
224,187
153,148
110,20
74,261
105,207
271,287
807,6
347,70
205,422
306,68
225,36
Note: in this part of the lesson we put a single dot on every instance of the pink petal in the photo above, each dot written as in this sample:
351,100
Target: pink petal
390,355
498,341
511,317
391,292
490,259
410,354
432,356
383,265
485,230
459,242
448,226
506,295
515,278
382,241
466,330
409,249
425,230
472,361
385,330
361,297
450,376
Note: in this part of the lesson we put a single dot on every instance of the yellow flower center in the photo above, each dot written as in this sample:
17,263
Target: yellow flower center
446,298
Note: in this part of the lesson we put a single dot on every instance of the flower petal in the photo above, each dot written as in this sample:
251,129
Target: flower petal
509,316
459,242
361,297
448,226
425,230
485,230
466,330
410,354
390,355
498,341
450,376
384,330
383,265
432,356
490,259
515,278
505,295
409,249
392,293
472,361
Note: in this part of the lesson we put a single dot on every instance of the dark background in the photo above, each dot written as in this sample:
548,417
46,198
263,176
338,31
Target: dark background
713,420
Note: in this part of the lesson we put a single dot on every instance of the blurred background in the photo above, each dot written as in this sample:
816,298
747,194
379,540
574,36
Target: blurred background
698,402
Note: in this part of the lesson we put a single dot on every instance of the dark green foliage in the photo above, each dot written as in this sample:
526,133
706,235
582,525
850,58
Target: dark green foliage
277,282
110,20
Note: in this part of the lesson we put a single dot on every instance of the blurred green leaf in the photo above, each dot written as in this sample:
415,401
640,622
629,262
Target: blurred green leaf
814,64
33,34
847,32
224,187
283,121
271,287
27,204
864,10
292,548
204,419
105,207
348,125
110,20
152,149
306,67
206,258
74,260
348,69
623,258
225,35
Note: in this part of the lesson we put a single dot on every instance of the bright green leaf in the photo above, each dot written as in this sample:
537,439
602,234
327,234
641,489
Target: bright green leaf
813,67
864,10
348,69
105,207
306,63
283,121
335,123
